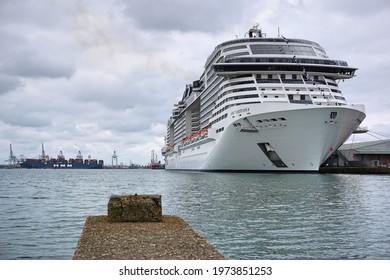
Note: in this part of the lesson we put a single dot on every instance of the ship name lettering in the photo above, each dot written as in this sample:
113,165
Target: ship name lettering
240,111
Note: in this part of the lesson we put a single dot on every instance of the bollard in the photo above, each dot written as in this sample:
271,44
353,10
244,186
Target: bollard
135,208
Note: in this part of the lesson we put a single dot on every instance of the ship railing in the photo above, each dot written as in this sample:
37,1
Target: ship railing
284,60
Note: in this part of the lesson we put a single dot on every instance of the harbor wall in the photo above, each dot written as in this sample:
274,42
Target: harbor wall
355,170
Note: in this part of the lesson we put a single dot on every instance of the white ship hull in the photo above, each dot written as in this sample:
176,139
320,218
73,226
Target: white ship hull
270,137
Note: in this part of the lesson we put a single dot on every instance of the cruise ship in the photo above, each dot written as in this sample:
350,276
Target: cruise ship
262,104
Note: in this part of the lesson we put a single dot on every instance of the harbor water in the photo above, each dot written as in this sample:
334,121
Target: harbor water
244,215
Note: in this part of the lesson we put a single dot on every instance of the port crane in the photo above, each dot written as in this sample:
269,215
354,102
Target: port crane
12,160
114,158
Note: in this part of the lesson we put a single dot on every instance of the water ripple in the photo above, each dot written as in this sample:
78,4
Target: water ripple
246,216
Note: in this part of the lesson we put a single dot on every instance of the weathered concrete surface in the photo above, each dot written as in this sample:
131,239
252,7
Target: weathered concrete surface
135,208
170,239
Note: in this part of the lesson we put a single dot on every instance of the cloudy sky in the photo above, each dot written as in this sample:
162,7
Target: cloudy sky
99,76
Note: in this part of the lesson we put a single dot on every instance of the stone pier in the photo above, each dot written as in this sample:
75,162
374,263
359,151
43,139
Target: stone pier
135,229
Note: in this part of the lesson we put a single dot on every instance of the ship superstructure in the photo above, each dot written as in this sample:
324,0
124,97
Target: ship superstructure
269,104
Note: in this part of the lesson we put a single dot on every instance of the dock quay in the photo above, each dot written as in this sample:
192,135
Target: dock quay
355,170
135,229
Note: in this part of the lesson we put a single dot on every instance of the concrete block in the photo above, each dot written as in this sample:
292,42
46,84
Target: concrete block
135,208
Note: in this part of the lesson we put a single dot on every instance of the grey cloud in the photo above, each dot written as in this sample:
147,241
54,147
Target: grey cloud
202,15
26,119
358,8
40,58
43,14
8,83
30,63
33,39
144,88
